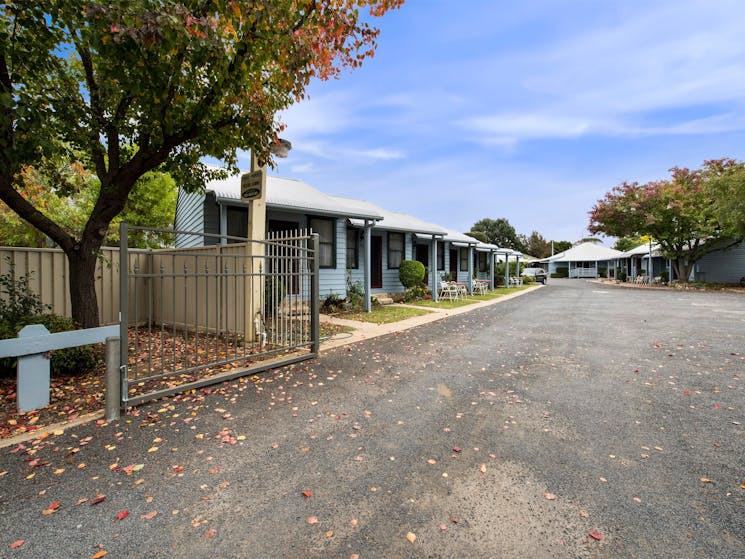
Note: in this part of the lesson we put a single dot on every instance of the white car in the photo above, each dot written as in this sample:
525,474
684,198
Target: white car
538,273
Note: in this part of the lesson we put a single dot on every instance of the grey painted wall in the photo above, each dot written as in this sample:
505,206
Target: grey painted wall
726,266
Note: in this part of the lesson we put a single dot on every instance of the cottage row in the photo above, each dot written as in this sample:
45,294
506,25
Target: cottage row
359,241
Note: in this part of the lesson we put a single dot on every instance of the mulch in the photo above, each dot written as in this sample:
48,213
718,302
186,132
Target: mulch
73,396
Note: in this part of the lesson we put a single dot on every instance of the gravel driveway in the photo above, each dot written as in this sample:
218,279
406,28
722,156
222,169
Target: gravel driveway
578,420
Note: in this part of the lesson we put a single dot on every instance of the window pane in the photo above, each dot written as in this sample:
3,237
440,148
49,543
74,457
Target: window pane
352,255
237,222
395,249
440,255
325,230
463,259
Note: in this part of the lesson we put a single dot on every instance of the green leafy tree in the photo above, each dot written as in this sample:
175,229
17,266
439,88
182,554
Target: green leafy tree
726,184
152,203
561,246
536,245
498,232
624,244
179,80
677,213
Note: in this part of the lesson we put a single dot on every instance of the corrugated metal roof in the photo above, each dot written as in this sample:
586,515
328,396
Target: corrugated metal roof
291,194
394,221
643,250
586,252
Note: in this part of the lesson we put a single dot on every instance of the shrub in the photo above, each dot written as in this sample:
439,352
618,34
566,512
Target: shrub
527,280
411,273
18,301
665,277
332,303
69,361
417,293
621,275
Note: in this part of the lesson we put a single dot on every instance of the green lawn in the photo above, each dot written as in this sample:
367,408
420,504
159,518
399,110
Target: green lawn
385,314
470,299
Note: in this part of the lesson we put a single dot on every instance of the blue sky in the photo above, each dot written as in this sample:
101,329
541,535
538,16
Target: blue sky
526,110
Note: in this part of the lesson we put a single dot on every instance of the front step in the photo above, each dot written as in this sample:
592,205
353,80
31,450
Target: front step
384,299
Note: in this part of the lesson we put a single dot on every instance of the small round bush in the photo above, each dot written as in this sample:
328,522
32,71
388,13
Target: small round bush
411,273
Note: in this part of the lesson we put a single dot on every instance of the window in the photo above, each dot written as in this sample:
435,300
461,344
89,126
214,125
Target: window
440,255
483,262
237,222
353,258
463,259
326,246
395,249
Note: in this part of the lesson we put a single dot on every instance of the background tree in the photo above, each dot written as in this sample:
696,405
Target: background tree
589,240
152,203
536,245
726,183
179,80
498,232
624,244
677,213
561,246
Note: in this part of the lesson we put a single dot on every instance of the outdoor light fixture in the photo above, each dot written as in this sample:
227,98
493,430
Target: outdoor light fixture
251,183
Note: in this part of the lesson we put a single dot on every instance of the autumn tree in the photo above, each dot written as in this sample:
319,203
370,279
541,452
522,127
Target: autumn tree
677,213
179,80
152,203
497,232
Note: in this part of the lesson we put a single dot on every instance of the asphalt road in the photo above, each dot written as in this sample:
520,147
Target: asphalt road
511,431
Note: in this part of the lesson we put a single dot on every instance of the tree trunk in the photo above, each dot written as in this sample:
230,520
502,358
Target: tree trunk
83,286
682,269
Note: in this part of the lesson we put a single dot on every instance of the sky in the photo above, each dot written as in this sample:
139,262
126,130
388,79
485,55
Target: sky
526,110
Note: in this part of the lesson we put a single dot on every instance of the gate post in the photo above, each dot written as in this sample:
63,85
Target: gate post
113,380
123,309
315,301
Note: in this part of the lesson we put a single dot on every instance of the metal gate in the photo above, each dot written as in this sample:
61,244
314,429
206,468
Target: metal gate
205,314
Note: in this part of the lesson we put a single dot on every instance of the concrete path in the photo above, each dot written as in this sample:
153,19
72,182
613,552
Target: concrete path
575,421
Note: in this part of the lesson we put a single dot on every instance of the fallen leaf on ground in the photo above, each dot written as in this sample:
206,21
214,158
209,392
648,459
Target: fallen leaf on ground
211,533
307,494
456,449
705,480
595,535
122,515
411,536
330,534
483,468
150,515
17,543
102,553
99,499
584,514
312,520
550,496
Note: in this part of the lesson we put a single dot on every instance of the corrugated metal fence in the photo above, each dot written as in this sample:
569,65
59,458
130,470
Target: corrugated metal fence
50,278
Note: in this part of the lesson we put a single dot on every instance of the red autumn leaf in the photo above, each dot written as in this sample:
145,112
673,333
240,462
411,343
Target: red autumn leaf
102,553
99,499
211,533
687,392
456,449
307,494
595,535
122,515
54,506
150,515
17,543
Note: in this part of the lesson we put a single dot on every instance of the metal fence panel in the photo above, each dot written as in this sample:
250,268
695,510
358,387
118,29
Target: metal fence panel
203,312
